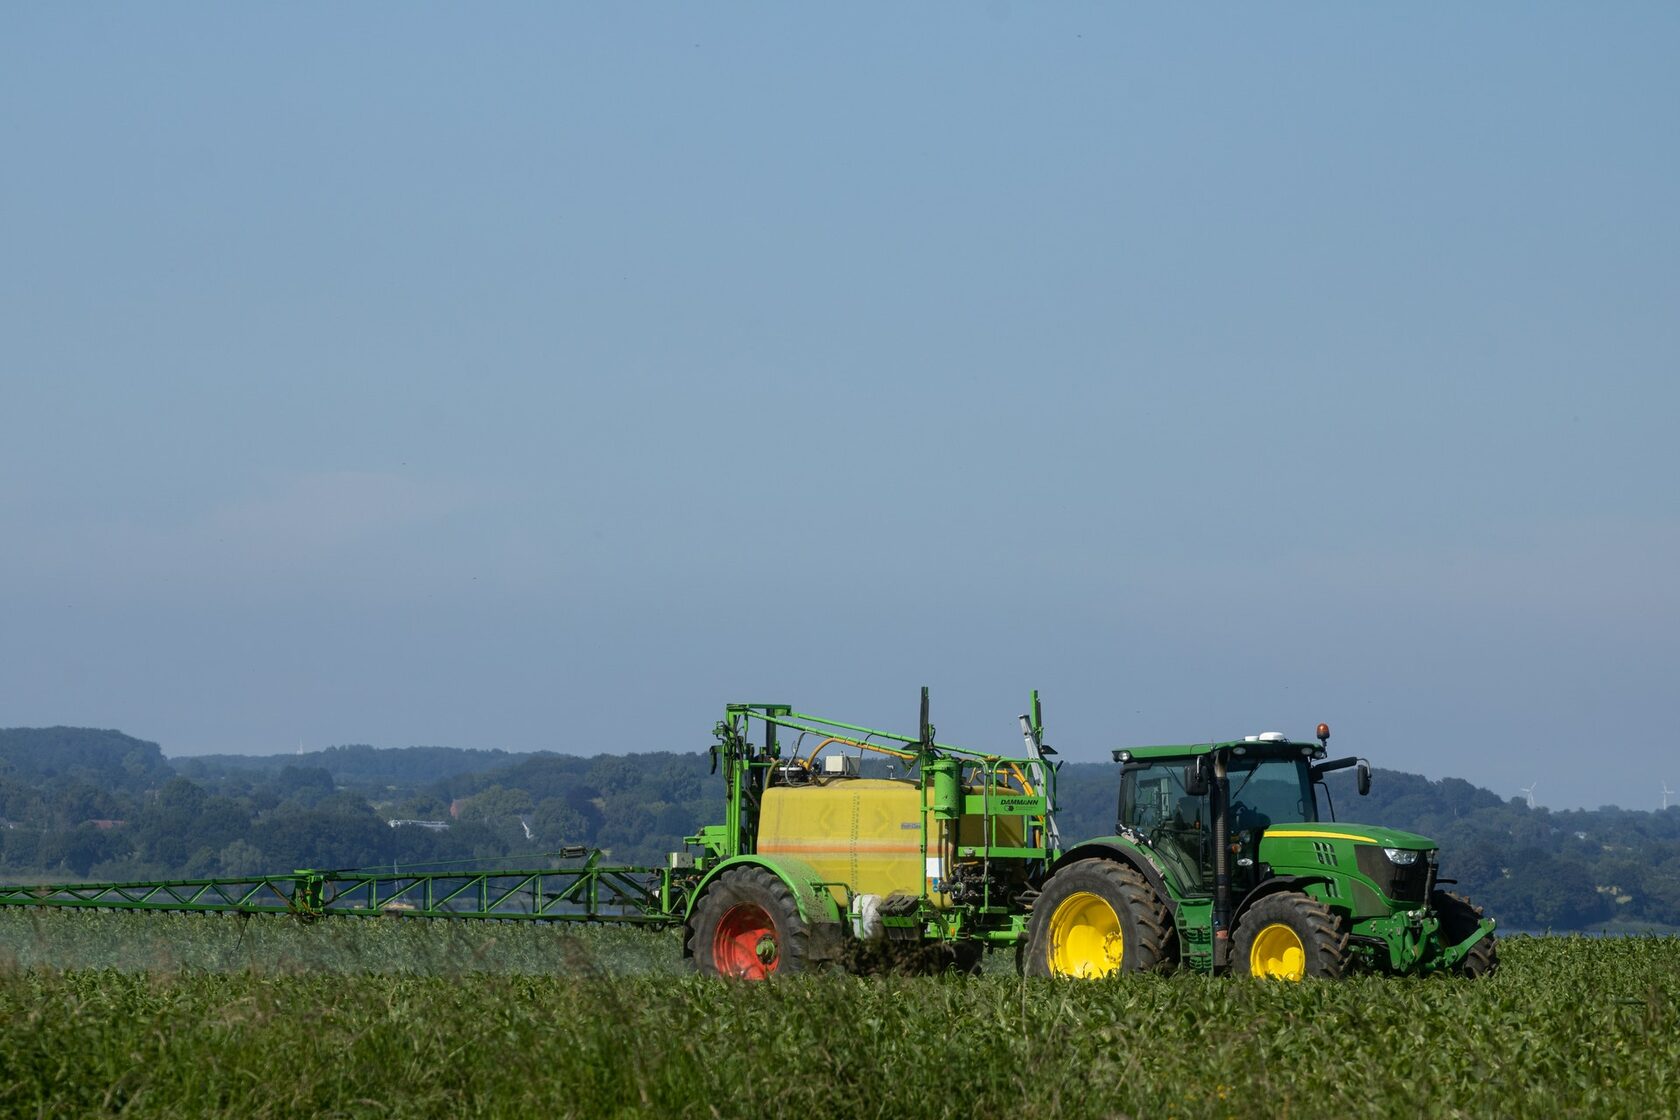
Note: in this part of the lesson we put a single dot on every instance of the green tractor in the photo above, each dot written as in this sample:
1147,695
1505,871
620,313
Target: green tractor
1222,861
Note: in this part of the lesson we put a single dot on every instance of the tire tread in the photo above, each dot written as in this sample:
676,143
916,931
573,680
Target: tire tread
1323,933
756,885
1458,912
1151,944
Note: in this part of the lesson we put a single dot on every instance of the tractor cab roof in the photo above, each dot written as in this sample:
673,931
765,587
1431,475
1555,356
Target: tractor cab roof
1272,744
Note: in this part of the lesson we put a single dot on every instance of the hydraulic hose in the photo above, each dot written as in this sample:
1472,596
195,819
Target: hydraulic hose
812,757
1221,863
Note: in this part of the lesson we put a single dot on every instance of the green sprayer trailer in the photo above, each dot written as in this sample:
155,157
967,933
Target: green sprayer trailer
846,846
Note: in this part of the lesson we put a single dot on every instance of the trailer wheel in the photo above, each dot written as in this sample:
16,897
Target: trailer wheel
1289,936
1094,918
1459,919
747,926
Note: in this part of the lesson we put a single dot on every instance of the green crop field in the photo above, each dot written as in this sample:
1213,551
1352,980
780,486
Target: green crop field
166,1015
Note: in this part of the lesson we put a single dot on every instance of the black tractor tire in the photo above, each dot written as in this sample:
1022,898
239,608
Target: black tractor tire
1097,917
747,926
1459,919
1289,936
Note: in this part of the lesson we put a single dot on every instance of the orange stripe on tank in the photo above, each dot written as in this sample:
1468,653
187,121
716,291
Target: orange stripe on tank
869,847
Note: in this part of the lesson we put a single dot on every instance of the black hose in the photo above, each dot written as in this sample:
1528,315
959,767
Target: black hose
1221,867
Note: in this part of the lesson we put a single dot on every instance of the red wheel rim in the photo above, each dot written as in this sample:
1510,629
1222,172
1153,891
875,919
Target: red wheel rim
745,943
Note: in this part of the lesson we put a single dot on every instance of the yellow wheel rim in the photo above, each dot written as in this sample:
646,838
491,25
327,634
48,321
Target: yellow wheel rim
1277,954
1085,937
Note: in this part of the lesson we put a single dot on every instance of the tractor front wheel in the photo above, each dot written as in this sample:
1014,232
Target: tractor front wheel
1097,917
747,926
1289,936
1459,919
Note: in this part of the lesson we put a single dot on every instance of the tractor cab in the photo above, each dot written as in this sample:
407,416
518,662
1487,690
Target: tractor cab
1169,799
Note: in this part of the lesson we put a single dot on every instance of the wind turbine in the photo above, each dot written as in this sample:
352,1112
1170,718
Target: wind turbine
1528,792
1667,793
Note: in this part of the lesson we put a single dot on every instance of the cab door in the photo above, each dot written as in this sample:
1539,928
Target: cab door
1177,824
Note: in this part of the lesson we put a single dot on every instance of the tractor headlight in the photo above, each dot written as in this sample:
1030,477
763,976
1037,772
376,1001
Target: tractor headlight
1402,857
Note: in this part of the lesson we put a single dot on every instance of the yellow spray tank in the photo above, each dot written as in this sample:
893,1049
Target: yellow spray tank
884,836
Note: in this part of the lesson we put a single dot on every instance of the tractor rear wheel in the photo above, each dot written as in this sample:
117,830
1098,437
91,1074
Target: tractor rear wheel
1289,936
1459,919
1094,918
747,926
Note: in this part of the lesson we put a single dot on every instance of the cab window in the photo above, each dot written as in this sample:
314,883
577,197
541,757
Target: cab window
1176,824
1268,791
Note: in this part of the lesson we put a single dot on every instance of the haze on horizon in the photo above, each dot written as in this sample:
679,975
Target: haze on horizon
547,380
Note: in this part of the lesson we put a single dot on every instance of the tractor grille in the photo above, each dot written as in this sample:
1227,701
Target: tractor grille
1409,883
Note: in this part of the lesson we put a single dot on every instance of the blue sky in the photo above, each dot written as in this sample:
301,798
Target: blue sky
545,377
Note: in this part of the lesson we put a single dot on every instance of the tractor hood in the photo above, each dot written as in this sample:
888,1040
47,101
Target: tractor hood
1355,833
1374,871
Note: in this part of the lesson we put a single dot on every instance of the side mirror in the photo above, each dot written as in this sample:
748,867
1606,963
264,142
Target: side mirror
1363,777
1196,778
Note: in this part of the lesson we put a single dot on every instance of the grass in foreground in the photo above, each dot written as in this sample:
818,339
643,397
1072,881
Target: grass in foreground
1570,1027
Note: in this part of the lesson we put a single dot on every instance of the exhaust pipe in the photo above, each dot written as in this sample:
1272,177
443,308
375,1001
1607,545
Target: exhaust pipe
1221,863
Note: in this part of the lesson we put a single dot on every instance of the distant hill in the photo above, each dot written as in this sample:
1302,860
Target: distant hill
357,766
109,760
